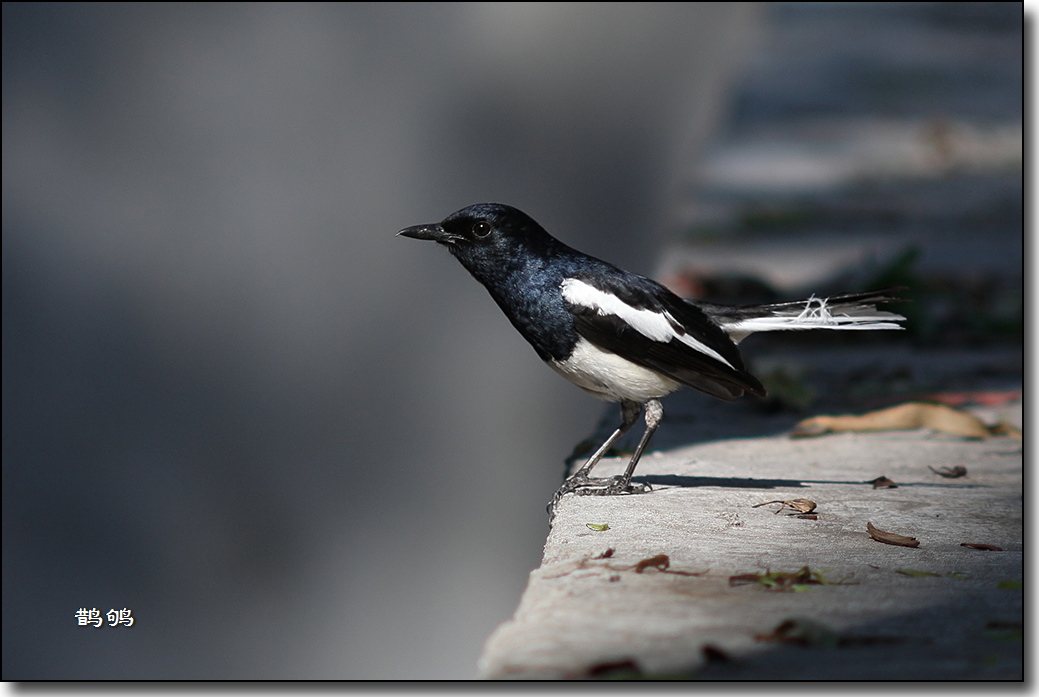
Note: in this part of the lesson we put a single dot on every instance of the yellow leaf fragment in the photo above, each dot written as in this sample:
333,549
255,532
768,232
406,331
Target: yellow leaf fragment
904,416
1005,429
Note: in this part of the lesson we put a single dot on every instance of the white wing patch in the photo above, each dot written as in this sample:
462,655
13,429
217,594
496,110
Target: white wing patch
658,326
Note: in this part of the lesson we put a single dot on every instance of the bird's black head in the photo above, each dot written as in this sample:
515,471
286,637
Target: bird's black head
487,234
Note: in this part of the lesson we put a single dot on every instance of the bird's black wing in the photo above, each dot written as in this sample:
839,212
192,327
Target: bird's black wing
642,321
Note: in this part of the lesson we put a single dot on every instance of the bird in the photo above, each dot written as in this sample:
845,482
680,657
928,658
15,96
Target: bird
618,335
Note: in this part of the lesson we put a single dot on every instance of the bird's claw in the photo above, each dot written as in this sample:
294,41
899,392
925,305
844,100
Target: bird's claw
589,486
614,488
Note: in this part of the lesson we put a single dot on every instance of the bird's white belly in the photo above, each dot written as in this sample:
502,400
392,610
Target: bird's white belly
608,376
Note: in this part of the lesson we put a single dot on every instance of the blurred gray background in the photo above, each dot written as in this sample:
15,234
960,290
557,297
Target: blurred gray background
292,444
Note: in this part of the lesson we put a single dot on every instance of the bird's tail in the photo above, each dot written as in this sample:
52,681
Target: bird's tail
847,311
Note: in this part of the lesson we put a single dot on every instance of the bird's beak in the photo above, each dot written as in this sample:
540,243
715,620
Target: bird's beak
432,231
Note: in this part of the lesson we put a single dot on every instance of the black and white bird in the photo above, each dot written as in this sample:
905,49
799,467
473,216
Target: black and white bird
617,335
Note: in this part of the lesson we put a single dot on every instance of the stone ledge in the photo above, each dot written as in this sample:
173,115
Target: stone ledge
586,614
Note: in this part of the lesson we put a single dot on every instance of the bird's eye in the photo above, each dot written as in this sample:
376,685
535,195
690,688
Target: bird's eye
482,228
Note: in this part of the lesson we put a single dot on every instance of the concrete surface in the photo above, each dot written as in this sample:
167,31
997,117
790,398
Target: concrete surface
885,617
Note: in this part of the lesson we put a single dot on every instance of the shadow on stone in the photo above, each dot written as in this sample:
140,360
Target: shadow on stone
734,482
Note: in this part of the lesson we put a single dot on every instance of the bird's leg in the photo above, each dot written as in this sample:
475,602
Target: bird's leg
629,414
579,482
654,415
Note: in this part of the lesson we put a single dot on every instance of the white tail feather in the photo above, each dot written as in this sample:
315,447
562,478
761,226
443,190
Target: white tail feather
815,314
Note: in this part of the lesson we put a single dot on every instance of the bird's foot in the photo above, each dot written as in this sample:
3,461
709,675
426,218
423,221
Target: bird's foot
614,487
596,486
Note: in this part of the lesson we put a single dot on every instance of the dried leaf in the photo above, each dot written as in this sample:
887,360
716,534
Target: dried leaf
904,416
982,547
891,538
808,516
950,473
794,581
660,562
1005,429
598,527
883,483
799,505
